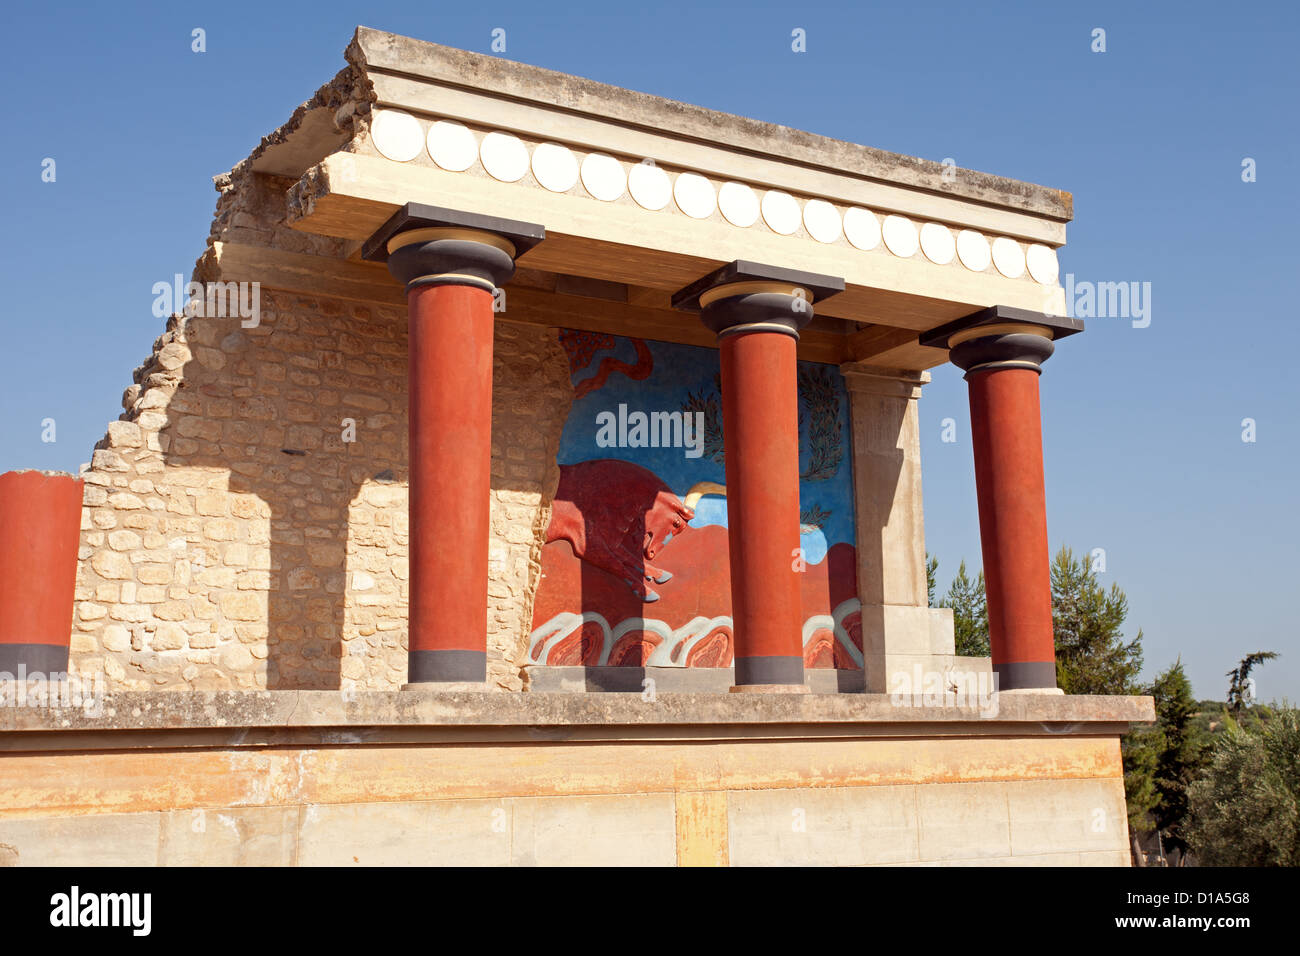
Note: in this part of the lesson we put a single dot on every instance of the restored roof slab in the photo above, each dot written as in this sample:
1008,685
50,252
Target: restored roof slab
919,244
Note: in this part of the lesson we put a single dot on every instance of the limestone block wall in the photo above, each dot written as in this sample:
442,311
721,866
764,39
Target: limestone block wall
245,522
710,779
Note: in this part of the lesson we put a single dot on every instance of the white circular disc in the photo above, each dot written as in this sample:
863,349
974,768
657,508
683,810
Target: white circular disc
505,157
900,236
861,228
781,212
603,176
822,220
649,186
397,135
555,167
1043,265
739,204
452,146
1008,257
973,250
694,195
937,243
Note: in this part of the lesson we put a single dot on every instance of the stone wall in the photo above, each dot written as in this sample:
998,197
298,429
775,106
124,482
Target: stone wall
314,778
233,537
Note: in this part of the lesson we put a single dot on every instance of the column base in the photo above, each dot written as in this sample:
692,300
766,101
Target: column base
36,660
449,686
1034,690
1026,675
769,670
770,689
441,666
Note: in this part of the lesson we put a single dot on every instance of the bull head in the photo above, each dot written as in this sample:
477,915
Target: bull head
670,515
699,490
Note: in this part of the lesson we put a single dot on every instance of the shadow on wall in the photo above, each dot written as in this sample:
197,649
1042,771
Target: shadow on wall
307,412
301,422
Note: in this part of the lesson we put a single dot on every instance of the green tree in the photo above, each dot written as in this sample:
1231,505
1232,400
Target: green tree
1182,755
931,566
1245,809
1240,688
1092,656
970,613
1140,750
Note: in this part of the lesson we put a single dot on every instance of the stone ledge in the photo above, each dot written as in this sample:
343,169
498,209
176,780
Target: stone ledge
557,679
248,710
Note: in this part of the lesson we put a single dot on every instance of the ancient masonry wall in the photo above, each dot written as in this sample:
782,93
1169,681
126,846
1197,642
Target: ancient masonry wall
233,539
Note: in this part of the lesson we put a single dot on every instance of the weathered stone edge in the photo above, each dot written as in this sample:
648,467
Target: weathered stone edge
392,53
140,710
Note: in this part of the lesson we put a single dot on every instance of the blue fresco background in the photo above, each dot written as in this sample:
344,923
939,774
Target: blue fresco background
682,370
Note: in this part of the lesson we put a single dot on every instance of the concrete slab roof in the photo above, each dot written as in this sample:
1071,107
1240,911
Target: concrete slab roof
381,52
917,243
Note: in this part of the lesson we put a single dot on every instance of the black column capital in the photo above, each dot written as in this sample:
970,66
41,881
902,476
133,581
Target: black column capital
430,245
752,297
1001,337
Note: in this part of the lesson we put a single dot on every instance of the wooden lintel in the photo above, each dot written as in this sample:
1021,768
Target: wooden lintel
371,283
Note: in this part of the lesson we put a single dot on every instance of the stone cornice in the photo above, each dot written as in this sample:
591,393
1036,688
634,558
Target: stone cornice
381,53
335,716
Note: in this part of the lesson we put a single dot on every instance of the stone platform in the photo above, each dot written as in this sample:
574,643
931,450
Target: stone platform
319,777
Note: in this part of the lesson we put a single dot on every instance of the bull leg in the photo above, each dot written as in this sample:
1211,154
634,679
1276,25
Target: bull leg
636,573
657,575
621,563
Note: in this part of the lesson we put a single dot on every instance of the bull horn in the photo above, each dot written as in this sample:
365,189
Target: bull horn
702,488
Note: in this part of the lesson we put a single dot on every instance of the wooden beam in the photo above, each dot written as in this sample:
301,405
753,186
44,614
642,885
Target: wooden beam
354,280
660,325
352,194
371,283
893,348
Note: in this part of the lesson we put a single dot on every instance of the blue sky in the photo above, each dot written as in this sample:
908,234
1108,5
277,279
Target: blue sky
1143,444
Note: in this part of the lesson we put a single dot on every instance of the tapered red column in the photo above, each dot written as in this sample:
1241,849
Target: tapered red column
450,422
1003,361
40,521
1007,438
761,427
452,264
757,312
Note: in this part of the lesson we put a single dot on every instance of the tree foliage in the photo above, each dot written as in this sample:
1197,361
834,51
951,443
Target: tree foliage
970,615
1182,755
1092,656
1245,809
1140,749
1240,688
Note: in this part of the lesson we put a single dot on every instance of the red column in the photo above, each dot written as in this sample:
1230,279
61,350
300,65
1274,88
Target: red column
761,430
1002,350
757,311
1006,431
452,264
40,531
450,422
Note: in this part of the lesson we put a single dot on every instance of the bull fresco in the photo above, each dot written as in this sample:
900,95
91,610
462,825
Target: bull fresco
635,567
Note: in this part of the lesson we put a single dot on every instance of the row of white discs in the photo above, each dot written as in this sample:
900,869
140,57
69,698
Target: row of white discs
398,136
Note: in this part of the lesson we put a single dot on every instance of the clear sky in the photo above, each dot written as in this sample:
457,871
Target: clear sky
1143,426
